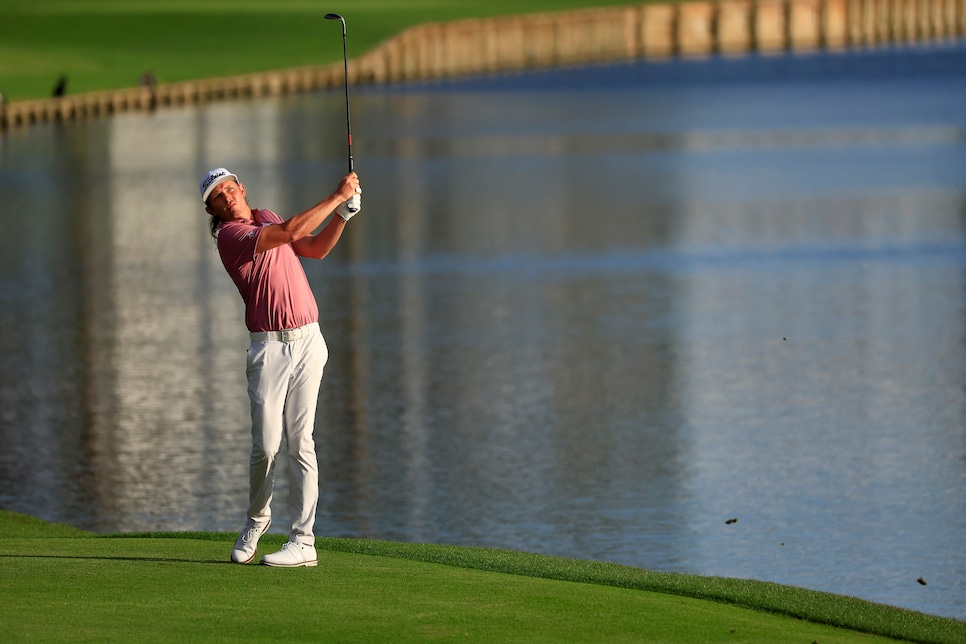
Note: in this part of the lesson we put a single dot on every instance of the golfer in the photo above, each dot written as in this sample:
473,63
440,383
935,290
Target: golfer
287,353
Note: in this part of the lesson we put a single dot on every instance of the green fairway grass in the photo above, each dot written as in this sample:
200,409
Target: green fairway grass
108,44
64,584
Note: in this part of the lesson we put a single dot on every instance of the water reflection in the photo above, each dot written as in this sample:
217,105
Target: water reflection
586,323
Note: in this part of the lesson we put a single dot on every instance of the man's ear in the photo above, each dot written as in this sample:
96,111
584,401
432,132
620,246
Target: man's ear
209,211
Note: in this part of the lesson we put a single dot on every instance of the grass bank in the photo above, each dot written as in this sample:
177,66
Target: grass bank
108,44
62,583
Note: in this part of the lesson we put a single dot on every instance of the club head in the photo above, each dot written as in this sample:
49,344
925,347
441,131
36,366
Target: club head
333,16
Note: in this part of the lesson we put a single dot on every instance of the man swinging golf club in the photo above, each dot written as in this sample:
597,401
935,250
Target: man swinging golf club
287,353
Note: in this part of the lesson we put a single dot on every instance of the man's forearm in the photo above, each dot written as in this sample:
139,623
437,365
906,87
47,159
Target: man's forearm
320,245
302,224
298,227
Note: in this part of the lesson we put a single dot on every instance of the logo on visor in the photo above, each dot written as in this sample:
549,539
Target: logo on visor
211,179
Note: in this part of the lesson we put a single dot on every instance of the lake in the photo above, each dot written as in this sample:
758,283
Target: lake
692,316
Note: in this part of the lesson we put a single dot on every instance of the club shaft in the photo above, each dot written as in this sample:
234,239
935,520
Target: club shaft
348,119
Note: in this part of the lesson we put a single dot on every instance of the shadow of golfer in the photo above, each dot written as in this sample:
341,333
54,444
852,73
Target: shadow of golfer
117,558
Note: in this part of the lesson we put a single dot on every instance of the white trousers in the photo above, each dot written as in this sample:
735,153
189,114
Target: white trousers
283,386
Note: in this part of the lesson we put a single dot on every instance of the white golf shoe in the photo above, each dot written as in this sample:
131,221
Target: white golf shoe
292,555
247,542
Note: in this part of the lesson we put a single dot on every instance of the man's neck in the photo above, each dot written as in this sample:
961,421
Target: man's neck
249,216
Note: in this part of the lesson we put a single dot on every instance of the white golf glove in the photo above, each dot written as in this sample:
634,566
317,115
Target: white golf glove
347,209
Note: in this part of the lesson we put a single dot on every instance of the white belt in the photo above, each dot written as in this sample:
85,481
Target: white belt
285,336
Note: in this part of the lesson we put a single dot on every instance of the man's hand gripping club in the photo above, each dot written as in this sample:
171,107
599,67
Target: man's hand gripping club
348,208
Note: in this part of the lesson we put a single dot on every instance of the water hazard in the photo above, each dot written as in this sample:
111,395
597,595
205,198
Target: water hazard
702,317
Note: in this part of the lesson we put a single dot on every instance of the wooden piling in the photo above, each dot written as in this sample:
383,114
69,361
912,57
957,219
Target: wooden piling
659,31
734,33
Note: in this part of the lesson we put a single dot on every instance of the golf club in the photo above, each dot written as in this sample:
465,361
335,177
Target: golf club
353,205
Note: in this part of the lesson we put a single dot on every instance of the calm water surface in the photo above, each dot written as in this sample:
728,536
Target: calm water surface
595,314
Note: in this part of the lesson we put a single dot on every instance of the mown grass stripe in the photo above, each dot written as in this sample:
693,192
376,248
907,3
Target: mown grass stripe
814,606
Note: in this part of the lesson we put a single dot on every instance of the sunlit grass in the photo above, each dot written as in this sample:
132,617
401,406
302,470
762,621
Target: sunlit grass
61,583
108,44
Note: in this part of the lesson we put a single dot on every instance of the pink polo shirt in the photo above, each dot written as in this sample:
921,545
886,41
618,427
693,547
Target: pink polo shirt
272,283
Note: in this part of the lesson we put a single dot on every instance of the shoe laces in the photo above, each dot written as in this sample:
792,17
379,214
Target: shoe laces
250,534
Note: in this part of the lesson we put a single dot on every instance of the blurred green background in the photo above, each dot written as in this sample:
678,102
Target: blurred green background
109,44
